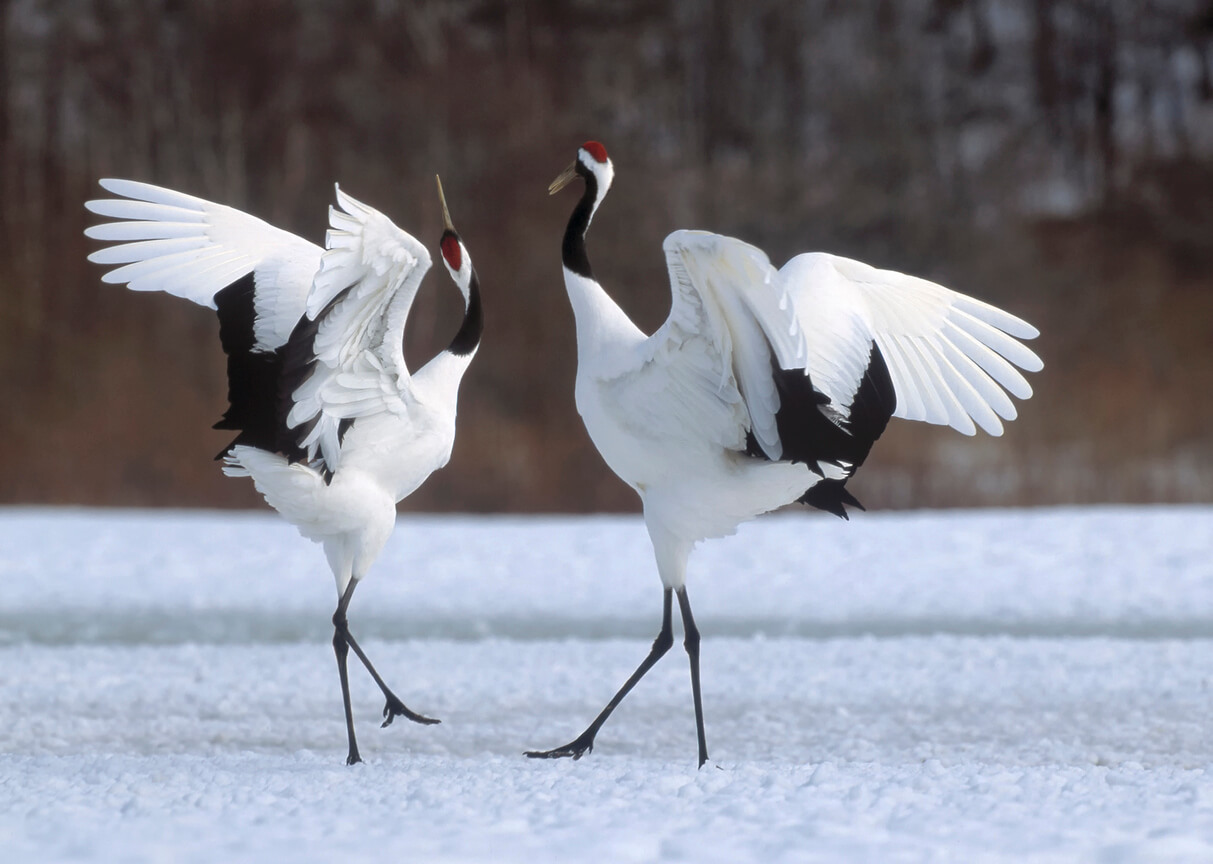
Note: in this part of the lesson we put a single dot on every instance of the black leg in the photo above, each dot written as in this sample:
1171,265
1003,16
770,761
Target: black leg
691,643
584,742
394,706
342,650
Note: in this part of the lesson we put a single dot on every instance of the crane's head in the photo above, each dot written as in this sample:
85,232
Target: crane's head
592,165
459,265
454,253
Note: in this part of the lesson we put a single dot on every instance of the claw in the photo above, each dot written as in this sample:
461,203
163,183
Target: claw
574,749
395,708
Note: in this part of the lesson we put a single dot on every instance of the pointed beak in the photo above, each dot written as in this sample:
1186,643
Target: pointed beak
446,214
567,176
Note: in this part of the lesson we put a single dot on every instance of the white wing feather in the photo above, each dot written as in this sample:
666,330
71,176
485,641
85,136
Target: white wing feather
191,248
947,353
711,360
363,291
754,313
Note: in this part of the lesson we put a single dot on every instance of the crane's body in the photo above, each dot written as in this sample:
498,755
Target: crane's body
331,425
765,386
384,460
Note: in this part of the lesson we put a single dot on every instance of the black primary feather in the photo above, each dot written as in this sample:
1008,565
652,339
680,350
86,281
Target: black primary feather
810,435
253,377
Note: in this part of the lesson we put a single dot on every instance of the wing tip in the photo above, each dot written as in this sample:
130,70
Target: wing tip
1035,365
134,189
992,427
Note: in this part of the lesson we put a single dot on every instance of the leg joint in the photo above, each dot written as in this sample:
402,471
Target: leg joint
691,642
691,638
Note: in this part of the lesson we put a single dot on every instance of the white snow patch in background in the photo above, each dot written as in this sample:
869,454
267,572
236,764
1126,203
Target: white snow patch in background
953,686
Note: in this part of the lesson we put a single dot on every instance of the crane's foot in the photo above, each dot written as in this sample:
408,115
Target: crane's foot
574,749
395,708
353,758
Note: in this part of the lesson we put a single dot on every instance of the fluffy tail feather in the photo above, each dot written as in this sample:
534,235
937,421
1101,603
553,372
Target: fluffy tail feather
292,488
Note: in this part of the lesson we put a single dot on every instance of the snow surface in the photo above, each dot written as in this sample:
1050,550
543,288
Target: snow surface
954,686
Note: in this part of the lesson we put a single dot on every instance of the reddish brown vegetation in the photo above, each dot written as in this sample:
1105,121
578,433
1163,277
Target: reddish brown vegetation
1057,164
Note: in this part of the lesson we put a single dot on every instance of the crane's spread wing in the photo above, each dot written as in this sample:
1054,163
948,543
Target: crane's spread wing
172,242
346,357
711,360
949,356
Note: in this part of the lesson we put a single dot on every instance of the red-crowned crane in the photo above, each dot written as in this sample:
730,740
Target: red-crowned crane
765,386
330,423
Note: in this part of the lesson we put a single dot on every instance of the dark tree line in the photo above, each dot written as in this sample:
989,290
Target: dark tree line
1052,156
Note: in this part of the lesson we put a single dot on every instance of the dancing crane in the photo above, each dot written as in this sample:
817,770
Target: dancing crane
330,424
765,386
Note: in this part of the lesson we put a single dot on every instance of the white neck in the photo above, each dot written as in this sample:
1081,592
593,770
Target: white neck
601,324
437,382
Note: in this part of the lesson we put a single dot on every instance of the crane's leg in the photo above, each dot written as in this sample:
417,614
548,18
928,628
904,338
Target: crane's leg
584,742
342,650
394,706
691,643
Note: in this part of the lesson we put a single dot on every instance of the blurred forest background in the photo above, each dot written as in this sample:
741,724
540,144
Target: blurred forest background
1054,157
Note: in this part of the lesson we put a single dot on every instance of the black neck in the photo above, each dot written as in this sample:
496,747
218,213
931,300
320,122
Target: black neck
468,337
572,251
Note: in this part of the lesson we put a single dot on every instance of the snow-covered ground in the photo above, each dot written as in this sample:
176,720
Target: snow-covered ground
954,686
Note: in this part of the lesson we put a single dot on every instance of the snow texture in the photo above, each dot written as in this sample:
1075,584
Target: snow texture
955,686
